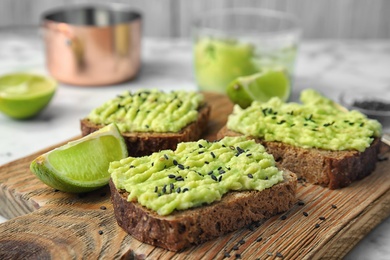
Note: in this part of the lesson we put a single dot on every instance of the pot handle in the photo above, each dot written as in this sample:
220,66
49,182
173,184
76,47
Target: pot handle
75,44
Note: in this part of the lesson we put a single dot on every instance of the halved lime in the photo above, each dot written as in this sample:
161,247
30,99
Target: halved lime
261,86
81,165
23,95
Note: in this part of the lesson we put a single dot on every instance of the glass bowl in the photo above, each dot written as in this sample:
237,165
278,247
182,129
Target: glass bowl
375,105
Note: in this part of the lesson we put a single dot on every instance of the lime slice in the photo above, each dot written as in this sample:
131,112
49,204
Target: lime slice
23,95
81,165
261,87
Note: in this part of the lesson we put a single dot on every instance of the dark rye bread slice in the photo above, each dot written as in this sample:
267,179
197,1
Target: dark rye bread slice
332,169
140,144
182,229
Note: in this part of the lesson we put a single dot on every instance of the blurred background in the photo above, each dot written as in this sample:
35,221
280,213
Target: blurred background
321,19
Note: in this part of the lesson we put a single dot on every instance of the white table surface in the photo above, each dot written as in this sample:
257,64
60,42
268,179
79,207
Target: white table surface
328,66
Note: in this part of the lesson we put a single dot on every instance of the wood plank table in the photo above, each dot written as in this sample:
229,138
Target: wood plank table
48,224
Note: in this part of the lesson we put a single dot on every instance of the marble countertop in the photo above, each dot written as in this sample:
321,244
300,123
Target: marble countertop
328,66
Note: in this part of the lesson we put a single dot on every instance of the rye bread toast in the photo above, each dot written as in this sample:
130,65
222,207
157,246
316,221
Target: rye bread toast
185,228
145,143
332,169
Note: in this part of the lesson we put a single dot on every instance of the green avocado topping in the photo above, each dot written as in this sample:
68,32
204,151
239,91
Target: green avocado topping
149,111
316,123
196,173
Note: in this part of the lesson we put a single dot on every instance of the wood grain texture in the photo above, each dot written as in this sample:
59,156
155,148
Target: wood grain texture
47,224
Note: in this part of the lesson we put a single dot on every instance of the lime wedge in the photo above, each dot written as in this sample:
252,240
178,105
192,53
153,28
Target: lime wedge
261,87
81,165
23,95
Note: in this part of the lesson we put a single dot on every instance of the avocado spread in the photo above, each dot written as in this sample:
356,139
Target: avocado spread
196,173
316,123
149,111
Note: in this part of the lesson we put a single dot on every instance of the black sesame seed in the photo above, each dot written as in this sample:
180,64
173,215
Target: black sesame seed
181,166
200,152
235,248
259,239
179,178
56,190
100,232
166,156
178,190
278,254
171,186
221,171
239,149
250,176
226,254
210,172
132,166
283,217
266,178
322,218
200,146
238,256
220,178
242,241
164,189
175,162
152,164
301,203
171,176
185,189
103,208
212,154
214,178
305,213
155,189
206,162
219,168
248,155
334,206
317,225
274,117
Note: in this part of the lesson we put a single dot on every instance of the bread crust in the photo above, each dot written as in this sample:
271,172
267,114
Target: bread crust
332,169
185,228
140,144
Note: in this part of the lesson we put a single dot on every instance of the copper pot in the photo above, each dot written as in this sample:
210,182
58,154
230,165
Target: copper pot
92,45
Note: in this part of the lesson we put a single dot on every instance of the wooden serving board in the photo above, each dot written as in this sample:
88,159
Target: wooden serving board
48,224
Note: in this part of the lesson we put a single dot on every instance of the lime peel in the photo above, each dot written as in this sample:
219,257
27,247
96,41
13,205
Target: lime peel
81,165
260,86
23,95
